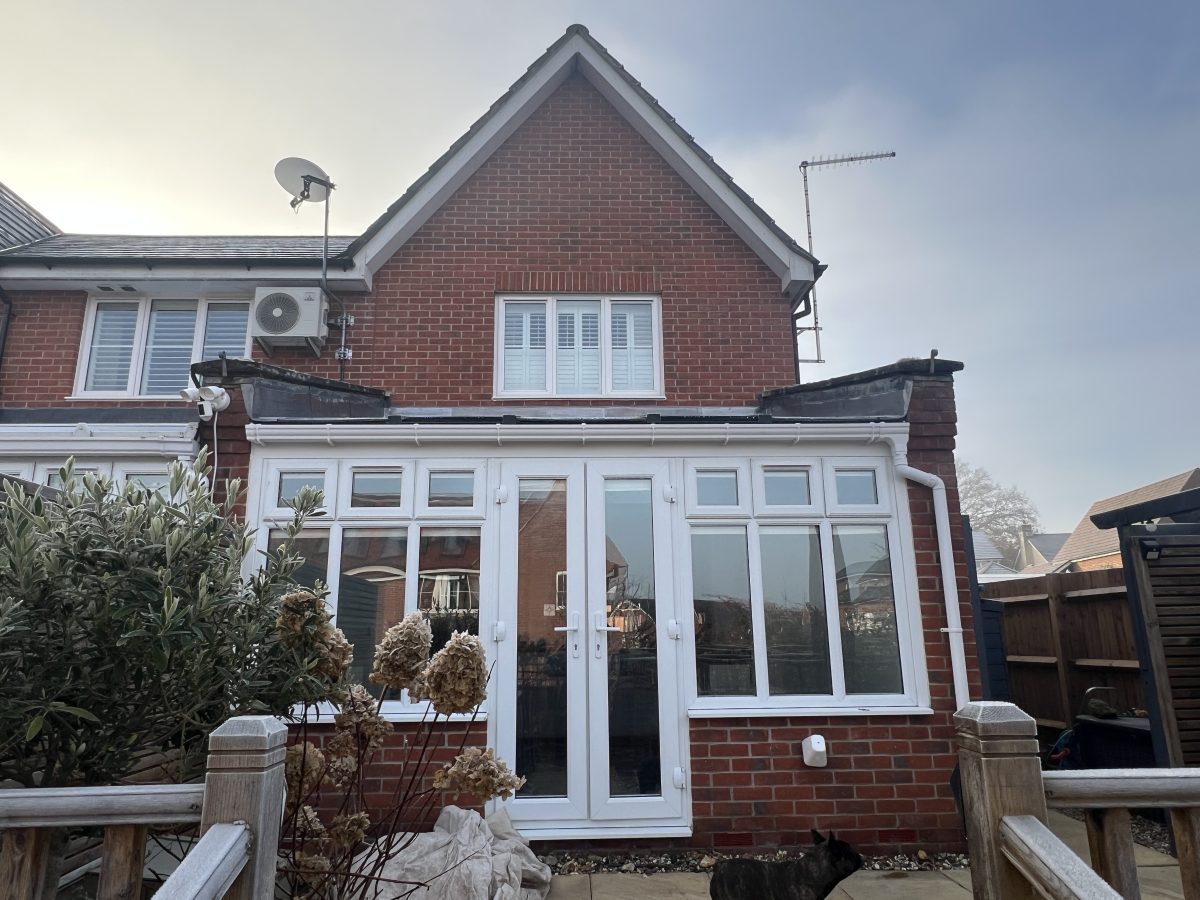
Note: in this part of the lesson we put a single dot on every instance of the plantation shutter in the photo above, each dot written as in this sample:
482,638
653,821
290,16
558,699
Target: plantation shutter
111,354
578,364
633,347
169,346
524,359
225,330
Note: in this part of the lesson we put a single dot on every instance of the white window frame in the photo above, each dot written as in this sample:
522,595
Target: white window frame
426,468
141,333
833,508
741,470
606,389
277,467
403,509
816,493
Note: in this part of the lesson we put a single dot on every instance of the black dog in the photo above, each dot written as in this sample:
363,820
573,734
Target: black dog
811,877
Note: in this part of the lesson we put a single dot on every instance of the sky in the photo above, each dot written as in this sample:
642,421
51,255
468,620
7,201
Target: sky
1040,221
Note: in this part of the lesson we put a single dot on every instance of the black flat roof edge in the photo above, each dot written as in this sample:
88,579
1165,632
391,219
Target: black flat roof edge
926,367
241,369
1172,505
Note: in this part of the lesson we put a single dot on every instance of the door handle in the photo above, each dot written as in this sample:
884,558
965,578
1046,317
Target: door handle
601,623
574,626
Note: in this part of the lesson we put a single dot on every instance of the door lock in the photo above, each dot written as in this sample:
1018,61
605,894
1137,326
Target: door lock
572,629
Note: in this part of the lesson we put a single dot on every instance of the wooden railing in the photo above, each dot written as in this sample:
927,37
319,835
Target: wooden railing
239,808
1006,795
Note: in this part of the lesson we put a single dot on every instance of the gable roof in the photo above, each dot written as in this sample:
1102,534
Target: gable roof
20,223
985,549
578,51
1088,541
119,248
1049,544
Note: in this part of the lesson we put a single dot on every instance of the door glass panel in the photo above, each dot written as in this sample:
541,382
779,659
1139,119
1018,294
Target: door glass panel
448,581
633,734
721,603
370,592
542,651
794,607
867,607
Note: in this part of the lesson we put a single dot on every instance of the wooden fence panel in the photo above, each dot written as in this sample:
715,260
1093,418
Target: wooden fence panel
1175,584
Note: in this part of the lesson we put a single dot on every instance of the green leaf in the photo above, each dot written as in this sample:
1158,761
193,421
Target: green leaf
35,727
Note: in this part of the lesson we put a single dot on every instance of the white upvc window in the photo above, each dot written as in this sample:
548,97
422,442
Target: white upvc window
145,346
576,346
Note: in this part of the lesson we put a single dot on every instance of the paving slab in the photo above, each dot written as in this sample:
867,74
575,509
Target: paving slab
900,885
1073,833
676,885
570,887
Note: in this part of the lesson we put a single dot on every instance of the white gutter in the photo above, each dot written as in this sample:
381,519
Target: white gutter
168,441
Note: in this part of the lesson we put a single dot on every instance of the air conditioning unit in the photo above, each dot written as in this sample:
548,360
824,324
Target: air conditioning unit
290,317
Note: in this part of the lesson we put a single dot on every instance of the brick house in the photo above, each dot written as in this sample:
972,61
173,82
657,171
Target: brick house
569,422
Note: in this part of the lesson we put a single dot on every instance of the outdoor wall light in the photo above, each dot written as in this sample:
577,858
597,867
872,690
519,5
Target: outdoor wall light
1151,549
815,752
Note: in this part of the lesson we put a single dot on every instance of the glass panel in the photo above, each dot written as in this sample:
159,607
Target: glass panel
169,346
633,737
448,581
151,481
112,347
794,606
578,353
867,606
376,488
721,603
54,480
290,484
786,487
313,546
717,488
455,489
225,330
856,487
542,651
633,346
524,347
370,592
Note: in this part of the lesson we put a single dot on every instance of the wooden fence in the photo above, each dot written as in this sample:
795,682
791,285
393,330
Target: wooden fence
239,809
1014,855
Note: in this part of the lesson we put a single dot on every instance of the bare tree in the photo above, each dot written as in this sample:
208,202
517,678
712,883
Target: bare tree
995,510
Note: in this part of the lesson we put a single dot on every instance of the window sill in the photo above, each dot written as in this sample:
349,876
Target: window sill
104,395
650,396
762,712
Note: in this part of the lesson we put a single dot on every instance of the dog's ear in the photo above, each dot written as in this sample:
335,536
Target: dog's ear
832,836
816,836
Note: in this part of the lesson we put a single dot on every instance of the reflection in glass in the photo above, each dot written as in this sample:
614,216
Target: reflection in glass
448,581
541,651
370,592
794,607
633,753
313,546
867,606
786,487
856,487
370,489
724,623
451,489
290,484
716,488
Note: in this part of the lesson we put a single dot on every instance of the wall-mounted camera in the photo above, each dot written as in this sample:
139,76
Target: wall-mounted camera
211,400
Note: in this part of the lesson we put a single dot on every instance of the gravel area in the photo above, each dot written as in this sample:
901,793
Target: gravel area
1146,832
650,862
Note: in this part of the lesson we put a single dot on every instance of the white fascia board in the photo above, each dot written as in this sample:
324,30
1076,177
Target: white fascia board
165,440
418,435
176,277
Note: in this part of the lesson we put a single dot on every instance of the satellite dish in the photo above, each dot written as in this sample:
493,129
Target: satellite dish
302,179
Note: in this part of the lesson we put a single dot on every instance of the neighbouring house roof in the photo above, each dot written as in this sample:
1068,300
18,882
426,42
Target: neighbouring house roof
1049,544
20,223
122,248
986,550
1087,541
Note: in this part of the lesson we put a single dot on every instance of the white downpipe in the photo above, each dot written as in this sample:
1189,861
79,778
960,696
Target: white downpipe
953,629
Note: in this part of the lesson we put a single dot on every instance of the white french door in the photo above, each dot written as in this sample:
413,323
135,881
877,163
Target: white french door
587,702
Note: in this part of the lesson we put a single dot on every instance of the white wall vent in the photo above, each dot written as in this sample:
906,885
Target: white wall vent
290,317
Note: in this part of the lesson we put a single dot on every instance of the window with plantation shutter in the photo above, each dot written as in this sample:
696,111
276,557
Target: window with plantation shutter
114,331
597,347
225,330
169,346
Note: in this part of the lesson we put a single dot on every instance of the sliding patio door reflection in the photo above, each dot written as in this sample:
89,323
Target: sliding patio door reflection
542,651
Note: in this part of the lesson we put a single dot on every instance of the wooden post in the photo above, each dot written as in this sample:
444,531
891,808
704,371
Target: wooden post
1053,603
1186,825
122,861
1110,840
1001,776
245,784
24,863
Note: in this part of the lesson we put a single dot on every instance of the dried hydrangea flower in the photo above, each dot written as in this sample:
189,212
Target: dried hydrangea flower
347,831
341,770
478,773
308,823
312,868
456,678
303,770
304,625
359,715
401,656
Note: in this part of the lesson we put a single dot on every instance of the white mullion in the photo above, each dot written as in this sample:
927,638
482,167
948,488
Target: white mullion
606,366
141,347
832,614
85,345
758,615
551,347
411,585
333,569
200,333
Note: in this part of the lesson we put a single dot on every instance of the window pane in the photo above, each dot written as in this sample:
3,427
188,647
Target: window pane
448,581
376,488
794,607
313,546
867,607
856,487
786,487
225,330
168,346
524,359
290,484
724,624
151,481
112,347
633,346
451,489
717,488
370,592
578,346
